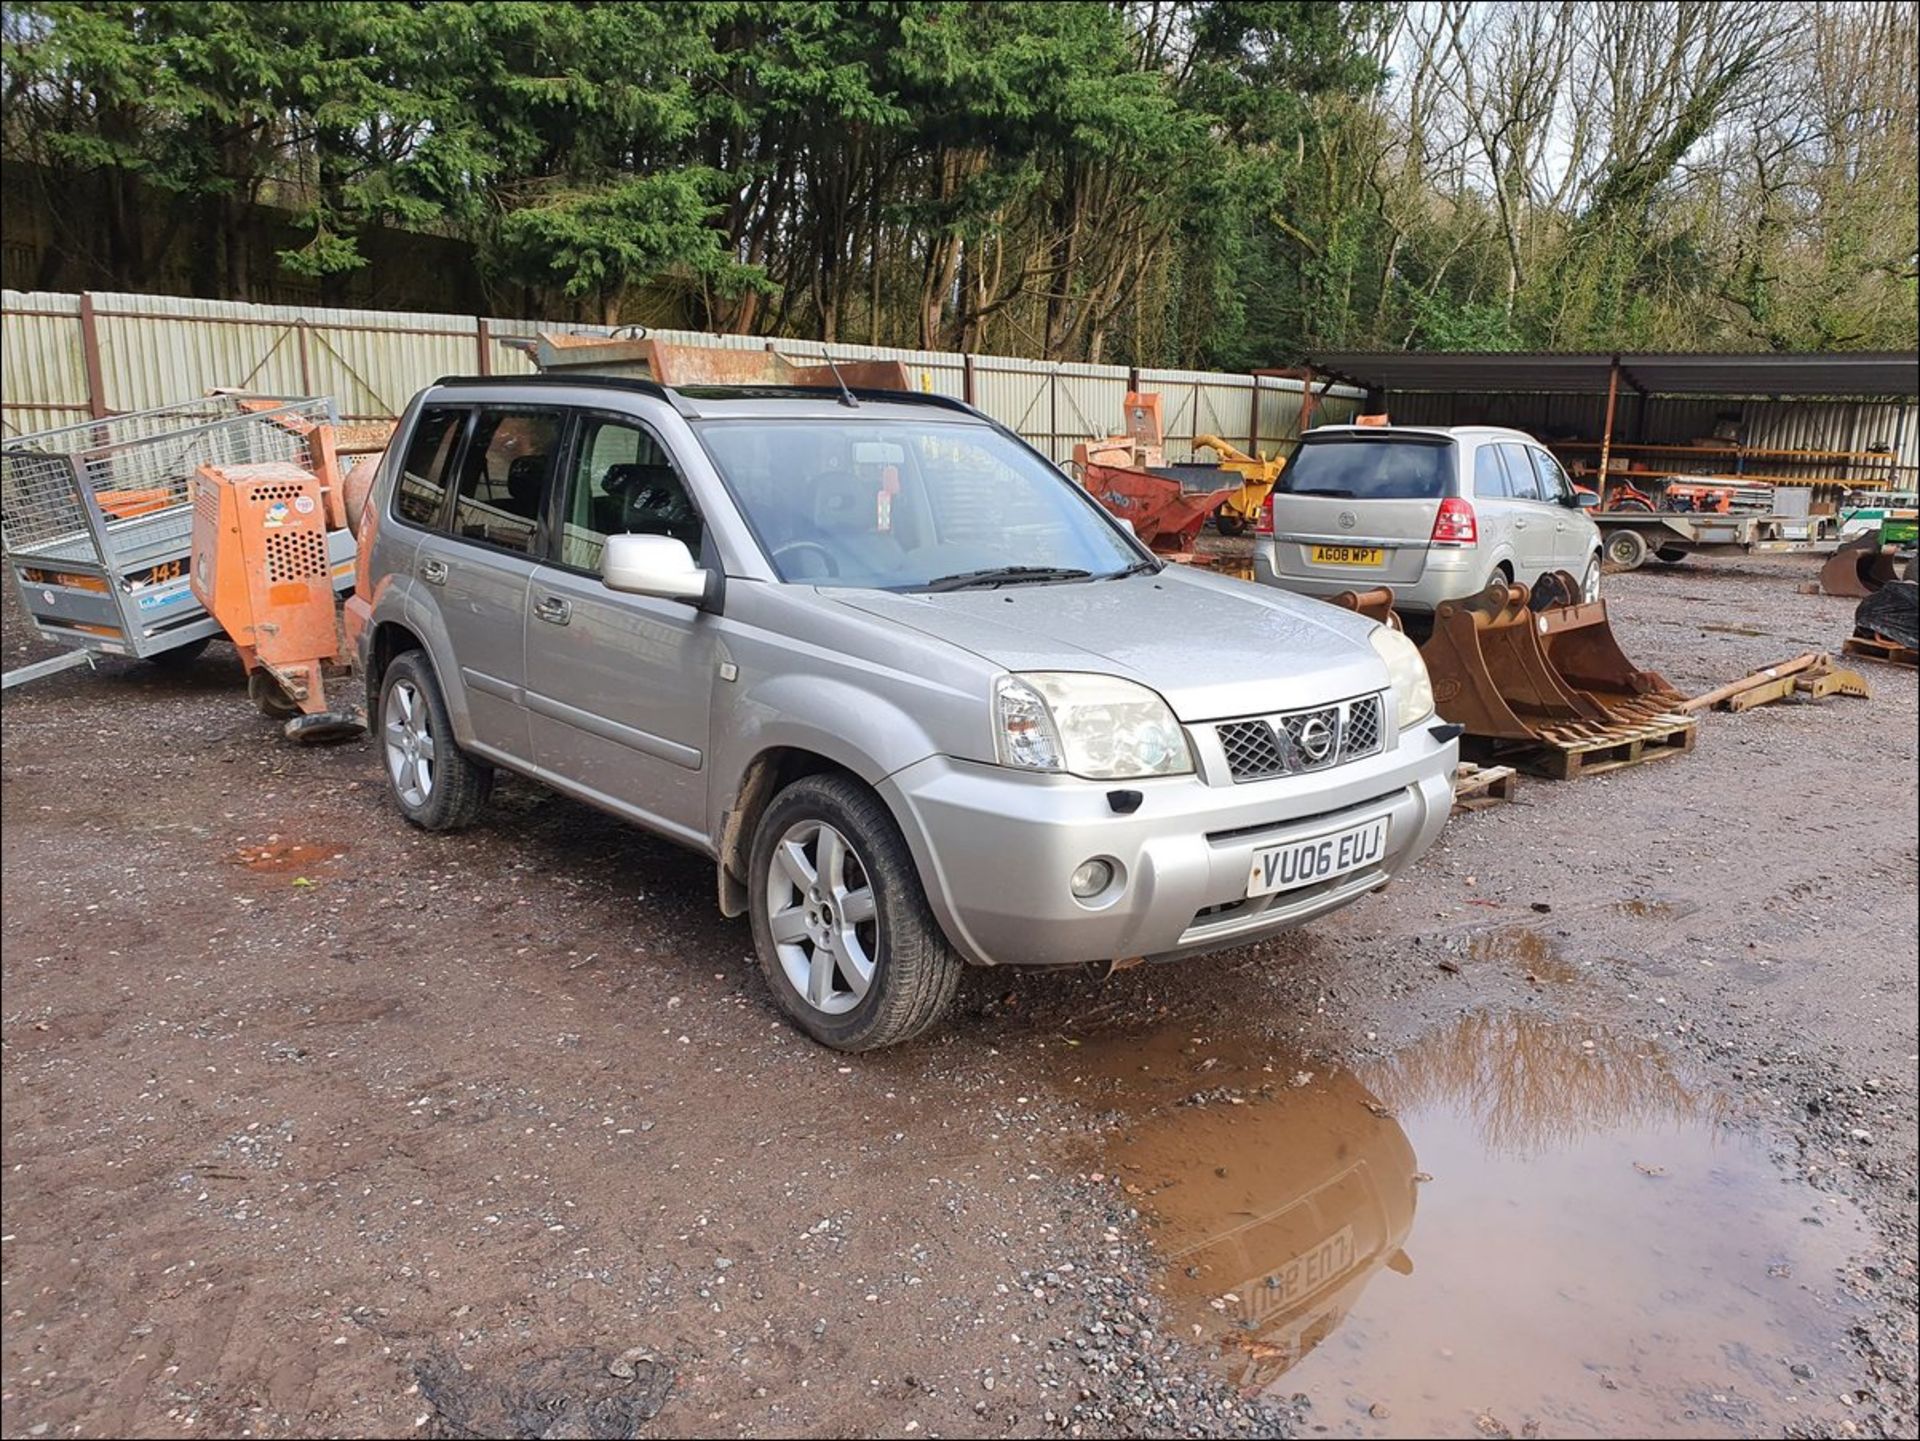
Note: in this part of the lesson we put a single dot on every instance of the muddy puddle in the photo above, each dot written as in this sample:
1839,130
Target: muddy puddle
1518,1226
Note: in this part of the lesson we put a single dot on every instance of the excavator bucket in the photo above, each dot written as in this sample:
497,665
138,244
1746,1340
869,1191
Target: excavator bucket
1580,646
1491,676
1374,604
1858,570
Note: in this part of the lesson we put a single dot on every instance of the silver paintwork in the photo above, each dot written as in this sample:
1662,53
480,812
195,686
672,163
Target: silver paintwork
657,710
1528,537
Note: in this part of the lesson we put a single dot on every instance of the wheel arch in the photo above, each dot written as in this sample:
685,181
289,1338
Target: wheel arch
771,771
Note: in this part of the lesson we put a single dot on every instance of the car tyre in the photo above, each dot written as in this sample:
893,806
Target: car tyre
1590,582
856,960
1626,549
437,786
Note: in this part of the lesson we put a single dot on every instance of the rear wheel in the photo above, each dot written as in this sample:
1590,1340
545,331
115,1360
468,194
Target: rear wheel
181,656
1626,549
841,923
437,786
268,695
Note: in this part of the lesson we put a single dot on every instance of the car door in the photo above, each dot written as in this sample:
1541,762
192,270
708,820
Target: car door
1493,504
1532,520
1572,531
479,567
619,687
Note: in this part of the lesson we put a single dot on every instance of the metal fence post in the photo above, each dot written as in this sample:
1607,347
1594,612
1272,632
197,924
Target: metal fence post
966,378
306,366
90,352
483,342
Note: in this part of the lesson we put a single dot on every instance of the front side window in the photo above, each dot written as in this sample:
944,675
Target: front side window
1370,467
622,482
423,474
908,506
1555,488
503,474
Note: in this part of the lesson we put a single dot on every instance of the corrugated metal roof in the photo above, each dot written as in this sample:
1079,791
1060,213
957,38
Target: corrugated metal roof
1864,373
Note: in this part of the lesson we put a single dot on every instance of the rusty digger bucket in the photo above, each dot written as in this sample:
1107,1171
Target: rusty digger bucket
1580,646
1375,604
1491,675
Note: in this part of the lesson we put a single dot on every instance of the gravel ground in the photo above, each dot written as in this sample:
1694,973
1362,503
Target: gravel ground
318,1125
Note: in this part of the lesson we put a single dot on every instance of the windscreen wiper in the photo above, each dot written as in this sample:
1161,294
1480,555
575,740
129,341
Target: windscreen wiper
1139,567
1004,575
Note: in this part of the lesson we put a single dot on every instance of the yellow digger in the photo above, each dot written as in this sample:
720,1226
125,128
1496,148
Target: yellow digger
1241,509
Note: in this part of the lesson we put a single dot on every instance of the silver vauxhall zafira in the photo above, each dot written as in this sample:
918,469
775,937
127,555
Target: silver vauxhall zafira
923,701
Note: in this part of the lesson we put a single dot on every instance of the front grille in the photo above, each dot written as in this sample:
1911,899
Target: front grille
1299,741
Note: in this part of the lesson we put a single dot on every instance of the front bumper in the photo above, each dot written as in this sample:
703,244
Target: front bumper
996,847
1447,574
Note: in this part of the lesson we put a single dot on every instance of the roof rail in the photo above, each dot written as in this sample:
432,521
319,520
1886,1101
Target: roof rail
682,398
613,382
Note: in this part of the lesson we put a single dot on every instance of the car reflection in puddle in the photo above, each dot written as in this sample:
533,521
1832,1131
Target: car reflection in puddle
1593,1252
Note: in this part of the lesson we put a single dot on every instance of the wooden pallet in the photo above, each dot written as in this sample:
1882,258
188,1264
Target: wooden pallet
1872,647
1606,749
1476,787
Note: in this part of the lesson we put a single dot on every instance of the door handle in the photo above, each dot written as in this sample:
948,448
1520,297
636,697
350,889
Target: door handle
553,609
433,572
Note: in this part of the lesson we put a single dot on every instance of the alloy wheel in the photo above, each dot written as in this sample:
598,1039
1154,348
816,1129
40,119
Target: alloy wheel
821,914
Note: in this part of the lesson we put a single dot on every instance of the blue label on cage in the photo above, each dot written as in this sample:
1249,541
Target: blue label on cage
154,602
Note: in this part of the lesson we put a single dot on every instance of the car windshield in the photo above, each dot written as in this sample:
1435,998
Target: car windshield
897,505
1370,468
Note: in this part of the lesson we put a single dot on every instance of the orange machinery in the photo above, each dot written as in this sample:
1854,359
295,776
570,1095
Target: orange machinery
260,568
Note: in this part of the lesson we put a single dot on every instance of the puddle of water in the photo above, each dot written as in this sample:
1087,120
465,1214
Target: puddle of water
1526,949
287,855
1517,1219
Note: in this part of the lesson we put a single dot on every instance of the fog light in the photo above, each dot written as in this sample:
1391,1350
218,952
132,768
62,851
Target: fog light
1092,878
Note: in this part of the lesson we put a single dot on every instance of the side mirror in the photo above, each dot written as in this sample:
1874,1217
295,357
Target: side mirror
655,565
1586,500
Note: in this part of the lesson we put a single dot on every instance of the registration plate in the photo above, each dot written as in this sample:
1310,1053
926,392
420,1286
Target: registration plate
1304,863
1349,555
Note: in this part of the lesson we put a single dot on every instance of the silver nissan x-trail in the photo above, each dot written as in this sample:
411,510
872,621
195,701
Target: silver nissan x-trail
923,701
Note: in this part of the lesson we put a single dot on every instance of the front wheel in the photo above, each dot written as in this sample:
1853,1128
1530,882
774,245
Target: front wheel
841,923
1590,582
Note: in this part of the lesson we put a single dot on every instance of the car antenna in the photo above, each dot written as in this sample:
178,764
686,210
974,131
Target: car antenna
846,395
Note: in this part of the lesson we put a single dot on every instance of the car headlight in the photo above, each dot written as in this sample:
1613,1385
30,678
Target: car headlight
1412,688
1096,726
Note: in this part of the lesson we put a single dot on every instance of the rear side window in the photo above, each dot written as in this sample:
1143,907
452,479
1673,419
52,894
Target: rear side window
423,478
1490,474
1370,468
1526,486
503,475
